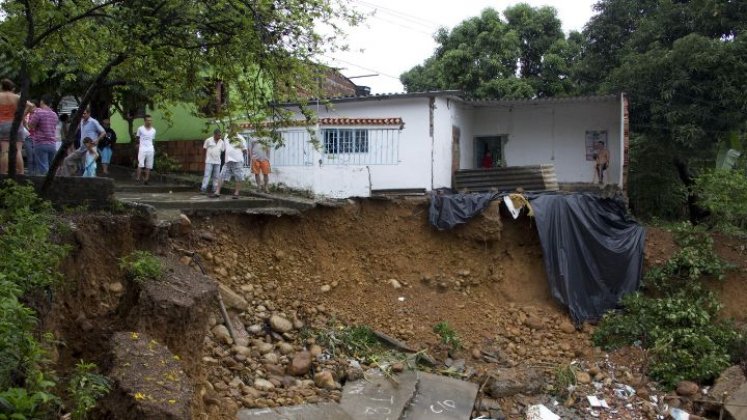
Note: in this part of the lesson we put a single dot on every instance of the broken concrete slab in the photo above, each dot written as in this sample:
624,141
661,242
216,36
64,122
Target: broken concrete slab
327,411
736,404
441,397
378,397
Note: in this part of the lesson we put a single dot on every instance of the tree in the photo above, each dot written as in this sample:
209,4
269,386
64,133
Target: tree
525,55
169,48
684,68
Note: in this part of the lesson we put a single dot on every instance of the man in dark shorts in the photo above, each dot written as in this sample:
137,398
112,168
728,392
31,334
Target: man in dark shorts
602,161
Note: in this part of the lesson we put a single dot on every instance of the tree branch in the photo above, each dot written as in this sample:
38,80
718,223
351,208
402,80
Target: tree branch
88,13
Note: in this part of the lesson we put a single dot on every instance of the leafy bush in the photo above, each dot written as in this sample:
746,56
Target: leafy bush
679,323
447,335
29,262
85,388
142,266
724,193
165,164
654,188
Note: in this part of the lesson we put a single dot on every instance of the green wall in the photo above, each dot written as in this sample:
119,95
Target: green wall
182,124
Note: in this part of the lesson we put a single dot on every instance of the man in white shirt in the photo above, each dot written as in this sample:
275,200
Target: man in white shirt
213,146
146,152
235,145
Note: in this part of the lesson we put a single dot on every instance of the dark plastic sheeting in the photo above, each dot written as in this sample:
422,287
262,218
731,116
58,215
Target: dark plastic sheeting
593,251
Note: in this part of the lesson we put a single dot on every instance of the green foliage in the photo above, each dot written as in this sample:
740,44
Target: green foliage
655,189
447,335
355,341
482,56
678,322
165,164
142,266
85,388
30,260
565,377
724,193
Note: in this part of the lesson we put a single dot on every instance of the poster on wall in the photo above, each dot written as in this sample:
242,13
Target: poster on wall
592,137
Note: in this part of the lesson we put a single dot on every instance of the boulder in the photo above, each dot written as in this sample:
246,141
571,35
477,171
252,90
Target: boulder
325,380
687,388
232,299
280,324
300,364
505,382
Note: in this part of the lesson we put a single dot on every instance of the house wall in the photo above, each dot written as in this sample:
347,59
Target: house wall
549,134
411,171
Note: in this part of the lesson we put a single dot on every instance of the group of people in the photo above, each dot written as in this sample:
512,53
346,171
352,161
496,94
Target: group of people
41,133
237,151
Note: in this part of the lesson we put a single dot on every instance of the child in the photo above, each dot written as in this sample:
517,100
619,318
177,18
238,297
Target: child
89,170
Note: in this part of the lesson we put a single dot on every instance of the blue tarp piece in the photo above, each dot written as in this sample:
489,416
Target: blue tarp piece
593,249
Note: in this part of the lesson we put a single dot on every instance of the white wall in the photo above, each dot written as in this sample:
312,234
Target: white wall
549,134
412,171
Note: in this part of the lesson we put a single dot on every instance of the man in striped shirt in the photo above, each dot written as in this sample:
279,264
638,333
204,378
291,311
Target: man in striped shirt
44,123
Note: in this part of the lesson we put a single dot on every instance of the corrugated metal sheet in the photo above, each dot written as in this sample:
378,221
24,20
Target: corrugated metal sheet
530,178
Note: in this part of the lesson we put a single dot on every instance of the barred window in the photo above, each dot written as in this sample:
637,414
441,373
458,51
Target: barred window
339,141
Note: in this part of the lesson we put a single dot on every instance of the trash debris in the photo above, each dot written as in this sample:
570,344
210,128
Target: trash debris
540,412
678,414
401,298
595,402
510,206
624,392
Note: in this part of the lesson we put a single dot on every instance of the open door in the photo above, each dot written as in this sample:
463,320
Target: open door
455,155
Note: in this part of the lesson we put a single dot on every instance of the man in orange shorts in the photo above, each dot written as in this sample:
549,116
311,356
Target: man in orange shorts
260,163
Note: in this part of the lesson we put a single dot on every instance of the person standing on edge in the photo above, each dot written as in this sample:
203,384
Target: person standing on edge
8,103
44,123
213,146
146,151
106,144
235,146
602,161
260,163
90,128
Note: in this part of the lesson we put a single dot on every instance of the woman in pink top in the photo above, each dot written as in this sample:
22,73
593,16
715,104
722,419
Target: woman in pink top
8,103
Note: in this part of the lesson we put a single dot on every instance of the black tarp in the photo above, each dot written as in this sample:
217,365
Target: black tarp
593,251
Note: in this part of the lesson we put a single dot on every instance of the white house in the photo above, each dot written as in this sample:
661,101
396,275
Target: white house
417,141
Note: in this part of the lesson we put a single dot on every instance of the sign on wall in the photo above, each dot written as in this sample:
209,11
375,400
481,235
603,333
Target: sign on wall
592,138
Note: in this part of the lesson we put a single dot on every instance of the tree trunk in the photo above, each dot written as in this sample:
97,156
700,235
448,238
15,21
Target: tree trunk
696,212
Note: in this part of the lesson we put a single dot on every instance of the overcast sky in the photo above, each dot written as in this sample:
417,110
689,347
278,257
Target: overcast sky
400,34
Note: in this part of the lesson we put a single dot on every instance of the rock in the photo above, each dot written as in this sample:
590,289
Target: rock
567,327
315,350
264,348
185,225
232,299
116,287
354,373
395,283
510,381
398,367
208,236
271,358
534,323
687,388
476,353
325,380
279,255
594,371
242,350
300,364
583,378
326,288
263,384
221,333
185,260
255,329
236,382
285,348
280,324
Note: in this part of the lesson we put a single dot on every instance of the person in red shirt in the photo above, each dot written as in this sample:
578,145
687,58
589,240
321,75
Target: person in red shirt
487,160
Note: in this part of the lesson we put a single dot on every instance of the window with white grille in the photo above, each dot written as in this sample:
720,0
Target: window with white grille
345,140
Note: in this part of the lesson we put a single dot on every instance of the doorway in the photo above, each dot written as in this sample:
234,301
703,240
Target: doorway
492,144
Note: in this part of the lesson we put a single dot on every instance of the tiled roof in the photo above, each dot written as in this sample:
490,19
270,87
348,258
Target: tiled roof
392,121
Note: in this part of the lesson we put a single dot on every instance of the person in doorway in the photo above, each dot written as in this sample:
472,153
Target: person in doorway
260,163
487,160
89,168
106,145
146,152
235,146
601,161
214,146
44,123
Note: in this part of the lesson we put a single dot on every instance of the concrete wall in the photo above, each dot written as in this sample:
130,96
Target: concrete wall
93,193
549,134
411,171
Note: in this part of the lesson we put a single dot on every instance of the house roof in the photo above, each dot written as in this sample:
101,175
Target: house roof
460,96
393,121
